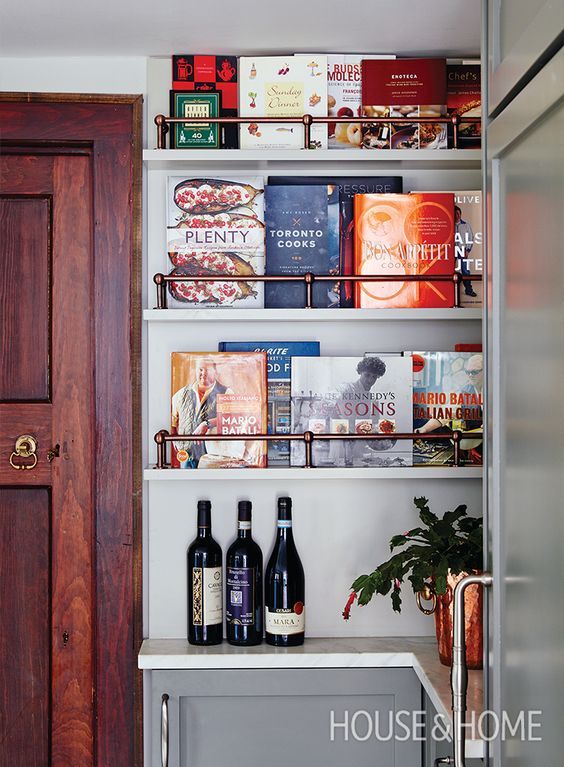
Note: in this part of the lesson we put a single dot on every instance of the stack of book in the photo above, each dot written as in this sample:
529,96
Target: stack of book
327,226
337,86
285,387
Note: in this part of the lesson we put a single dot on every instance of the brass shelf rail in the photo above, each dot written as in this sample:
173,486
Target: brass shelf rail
163,122
163,437
310,279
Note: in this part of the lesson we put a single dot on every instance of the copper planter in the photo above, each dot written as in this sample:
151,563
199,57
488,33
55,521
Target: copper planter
474,623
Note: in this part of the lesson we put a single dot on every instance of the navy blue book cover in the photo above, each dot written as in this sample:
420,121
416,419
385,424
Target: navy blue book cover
348,187
279,371
302,235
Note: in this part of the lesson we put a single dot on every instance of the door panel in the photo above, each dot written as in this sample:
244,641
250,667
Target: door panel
526,427
520,32
25,656
48,252
96,480
24,296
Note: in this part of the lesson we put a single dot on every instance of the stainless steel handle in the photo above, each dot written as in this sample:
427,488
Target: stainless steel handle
164,730
459,672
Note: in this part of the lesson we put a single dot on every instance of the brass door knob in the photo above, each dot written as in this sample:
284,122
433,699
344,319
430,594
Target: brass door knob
25,448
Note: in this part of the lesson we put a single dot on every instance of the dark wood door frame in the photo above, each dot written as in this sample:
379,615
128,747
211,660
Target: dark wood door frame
111,126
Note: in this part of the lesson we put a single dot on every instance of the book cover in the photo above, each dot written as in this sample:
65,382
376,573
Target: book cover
344,97
464,99
469,246
447,397
216,226
279,356
404,88
302,235
404,234
211,73
195,106
218,393
352,395
279,86
348,187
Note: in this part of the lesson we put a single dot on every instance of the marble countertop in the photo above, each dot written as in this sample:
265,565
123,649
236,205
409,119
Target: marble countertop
419,653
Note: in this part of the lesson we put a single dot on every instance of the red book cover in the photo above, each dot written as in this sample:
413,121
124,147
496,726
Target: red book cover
211,73
404,88
468,347
404,234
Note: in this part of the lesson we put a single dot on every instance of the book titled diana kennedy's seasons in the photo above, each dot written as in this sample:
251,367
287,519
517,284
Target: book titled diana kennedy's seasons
353,395
302,235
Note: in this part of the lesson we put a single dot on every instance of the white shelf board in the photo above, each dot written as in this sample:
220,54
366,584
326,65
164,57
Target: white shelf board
301,315
163,158
230,475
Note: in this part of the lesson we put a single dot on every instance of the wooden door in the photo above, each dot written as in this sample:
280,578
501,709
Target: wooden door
67,359
46,516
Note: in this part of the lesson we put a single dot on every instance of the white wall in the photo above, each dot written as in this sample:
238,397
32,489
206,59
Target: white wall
84,74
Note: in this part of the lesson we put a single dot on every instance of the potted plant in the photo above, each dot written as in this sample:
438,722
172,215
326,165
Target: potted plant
433,558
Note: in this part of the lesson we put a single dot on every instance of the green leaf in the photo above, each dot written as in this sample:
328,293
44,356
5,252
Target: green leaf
396,600
359,583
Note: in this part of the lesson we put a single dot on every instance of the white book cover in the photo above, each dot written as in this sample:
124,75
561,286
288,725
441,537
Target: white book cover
215,225
282,86
344,96
353,395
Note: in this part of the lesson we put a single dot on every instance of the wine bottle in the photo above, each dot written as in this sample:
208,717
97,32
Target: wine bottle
243,603
284,585
205,583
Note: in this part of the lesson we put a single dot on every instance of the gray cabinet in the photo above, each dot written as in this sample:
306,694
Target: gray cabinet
520,33
326,717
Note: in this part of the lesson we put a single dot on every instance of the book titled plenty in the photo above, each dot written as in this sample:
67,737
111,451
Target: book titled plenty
216,226
278,86
404,234
218,393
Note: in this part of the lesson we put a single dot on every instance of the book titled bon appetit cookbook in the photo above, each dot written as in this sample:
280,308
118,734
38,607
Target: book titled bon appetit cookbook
405,234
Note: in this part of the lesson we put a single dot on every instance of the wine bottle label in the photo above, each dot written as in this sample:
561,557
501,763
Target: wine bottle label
282,523
207,607
243,525
240,607
286,621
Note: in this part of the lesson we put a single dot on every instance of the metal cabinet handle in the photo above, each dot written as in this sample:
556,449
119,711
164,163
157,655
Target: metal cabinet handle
164,730
459,671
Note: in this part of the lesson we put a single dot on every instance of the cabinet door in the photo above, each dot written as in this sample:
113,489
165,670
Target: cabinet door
520,33
324,717
525,322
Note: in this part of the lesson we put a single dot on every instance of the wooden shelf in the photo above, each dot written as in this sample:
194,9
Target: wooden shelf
314,315
178,157
283,473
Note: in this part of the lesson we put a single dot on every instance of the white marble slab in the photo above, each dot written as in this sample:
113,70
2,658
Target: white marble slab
419,653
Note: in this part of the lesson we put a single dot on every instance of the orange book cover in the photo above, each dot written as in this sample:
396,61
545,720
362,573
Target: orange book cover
219,393
404,234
